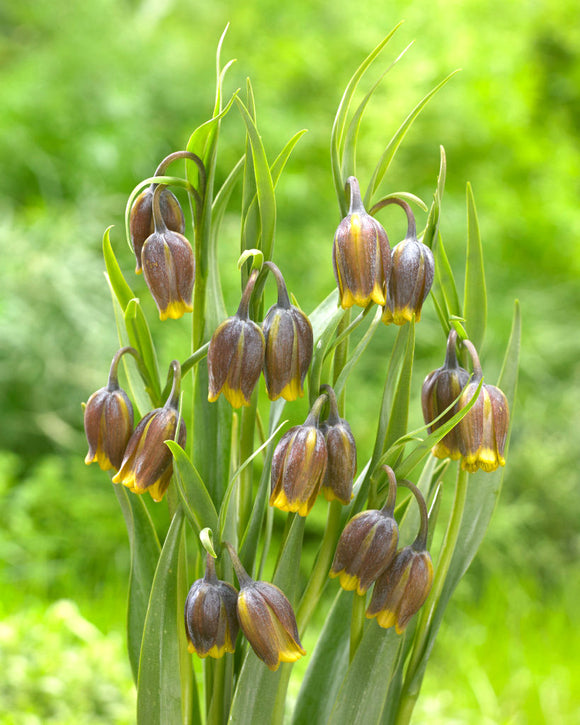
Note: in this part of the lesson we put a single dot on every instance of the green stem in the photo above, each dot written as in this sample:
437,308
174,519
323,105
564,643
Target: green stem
357,622
410,688
247,428
215,715
321,568
340,358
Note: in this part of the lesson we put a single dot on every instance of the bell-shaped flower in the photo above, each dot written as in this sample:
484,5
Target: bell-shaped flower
368,544
404,586
148,462
412,272
236,354
289,343
361,255
211,620
108,420
440,389
299,465
341,449
267,619
168,266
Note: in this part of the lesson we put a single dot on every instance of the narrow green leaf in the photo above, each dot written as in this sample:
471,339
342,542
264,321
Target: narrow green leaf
116,279
194,495
444,284
391,149
264,183
159,689
145,550
222,198
475,296
362,695
337,134
327,667
324,320
257,687
399,413
432,228
357,352
140,338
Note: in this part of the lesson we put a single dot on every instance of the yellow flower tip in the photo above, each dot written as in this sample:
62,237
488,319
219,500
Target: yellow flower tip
175,310
470,464
280,501
403,315
330,495
400,629
346,299
386,619
234,397
138,270
377,295
292,391
190,648
348,582
387,316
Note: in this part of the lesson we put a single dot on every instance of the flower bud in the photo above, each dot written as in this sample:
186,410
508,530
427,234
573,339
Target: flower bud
412,272
361,255
404,586
483,430
299,465
108,421
289,344
440,389
367,545
236,355
148,463
341,449
141,224
267,619
168,266
211,620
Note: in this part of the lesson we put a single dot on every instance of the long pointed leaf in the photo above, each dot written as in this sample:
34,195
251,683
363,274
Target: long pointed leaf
116,279
475,295
140,338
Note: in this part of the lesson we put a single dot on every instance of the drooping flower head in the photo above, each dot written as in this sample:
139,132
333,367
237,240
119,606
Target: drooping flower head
266,618
168,266
236,354
341,449
404,586
211,620
368,544
412,272
440,389
289,342
148,462
361,255
299,465
108,420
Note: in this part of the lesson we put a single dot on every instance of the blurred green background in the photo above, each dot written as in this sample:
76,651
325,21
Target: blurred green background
93,95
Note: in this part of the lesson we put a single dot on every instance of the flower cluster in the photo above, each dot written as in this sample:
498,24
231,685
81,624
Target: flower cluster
314,457
140,457
367,553
240,349
215,611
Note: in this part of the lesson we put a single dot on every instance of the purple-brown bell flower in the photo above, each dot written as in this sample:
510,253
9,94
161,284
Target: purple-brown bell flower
404,586
368,544
299,465
482,432
148,463
168,266
267,619
341,449
412,272
289,344
109,420
211,620
236,354
361,255
141,225
440,389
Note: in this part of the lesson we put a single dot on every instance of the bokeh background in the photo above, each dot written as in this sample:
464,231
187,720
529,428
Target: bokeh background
92,96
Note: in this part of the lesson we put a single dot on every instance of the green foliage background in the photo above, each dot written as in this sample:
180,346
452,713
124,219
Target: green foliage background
93,95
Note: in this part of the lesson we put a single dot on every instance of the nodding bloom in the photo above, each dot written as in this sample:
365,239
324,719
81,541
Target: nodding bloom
299,465
361,255
404,586
236,354
148,463
211,620
141,224
109,420
289,344
368,544
440,389
168,266
483,431
267,619
341,449
412,272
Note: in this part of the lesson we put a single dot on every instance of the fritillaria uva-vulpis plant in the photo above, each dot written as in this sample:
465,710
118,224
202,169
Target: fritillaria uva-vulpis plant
213,633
